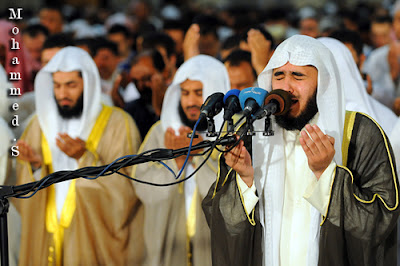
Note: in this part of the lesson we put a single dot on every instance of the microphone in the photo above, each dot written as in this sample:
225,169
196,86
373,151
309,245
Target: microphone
213,105
231,103
251,99
277,102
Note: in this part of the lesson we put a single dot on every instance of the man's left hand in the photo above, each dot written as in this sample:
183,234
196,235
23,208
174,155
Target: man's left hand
319,149
74,148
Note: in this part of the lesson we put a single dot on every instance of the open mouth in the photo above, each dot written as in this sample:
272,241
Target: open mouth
294,101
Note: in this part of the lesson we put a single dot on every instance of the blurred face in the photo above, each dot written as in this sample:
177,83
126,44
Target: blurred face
106,62
68,92
52,20
353,53
241,76
124,44
142,72
309,27
301,82
34,45
209,45
380,34
191,98
396,25
177,35
47,54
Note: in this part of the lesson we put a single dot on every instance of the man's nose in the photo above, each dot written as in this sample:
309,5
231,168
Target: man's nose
191,99
63,92
286,85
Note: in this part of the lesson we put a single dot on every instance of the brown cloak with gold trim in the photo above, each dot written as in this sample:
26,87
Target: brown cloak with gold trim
106,226
360,227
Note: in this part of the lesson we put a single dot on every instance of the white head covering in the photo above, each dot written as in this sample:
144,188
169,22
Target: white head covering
357,98
269,152
67,59
204,68
4,86
6,136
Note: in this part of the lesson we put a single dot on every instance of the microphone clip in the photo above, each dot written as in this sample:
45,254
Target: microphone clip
268,127
211,127
230,127
250,128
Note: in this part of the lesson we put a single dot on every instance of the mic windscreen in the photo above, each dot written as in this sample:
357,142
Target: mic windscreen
283,99
213,104
255,93
231,103
234,92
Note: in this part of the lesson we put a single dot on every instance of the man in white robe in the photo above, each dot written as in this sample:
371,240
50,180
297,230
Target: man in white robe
176,232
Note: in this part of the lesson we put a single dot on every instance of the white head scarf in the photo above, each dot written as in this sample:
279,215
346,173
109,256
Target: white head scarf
6,137
4,86
211,72
269,152
67,59
357,98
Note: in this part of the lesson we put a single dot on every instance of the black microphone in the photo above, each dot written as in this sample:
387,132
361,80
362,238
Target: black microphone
277,102
231,103
213,105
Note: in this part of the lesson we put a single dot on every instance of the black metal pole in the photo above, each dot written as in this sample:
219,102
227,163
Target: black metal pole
4,205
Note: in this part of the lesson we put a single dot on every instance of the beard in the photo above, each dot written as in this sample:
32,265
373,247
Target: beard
202,126
297,123
68,112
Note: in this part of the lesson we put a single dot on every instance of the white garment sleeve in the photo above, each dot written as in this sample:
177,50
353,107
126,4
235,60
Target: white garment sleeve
37,174
318,191
249,196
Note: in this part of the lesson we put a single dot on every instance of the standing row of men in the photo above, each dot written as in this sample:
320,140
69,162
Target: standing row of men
322,166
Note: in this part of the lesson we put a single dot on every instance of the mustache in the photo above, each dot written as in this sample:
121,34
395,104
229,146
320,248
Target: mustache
64,99
193,106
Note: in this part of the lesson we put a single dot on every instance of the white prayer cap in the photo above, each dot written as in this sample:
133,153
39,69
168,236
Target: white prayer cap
212,74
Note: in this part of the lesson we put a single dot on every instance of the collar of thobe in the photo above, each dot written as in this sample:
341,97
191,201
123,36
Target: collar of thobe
269,152
357,98
206,69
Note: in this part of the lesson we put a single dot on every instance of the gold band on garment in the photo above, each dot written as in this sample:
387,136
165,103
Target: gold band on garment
52,225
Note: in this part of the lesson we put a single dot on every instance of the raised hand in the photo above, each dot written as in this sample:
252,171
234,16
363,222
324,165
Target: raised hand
191,42
74,148
239,160
173,141
260,49
26,153
319,149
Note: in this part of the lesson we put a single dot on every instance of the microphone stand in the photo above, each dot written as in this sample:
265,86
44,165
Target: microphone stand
268,127
10,191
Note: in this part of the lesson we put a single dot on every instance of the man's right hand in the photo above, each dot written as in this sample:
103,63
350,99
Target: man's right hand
239,160
191,42
26,153
173,141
